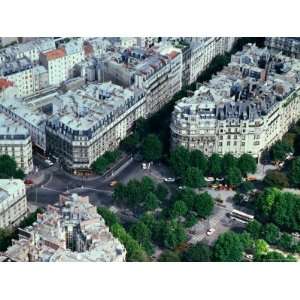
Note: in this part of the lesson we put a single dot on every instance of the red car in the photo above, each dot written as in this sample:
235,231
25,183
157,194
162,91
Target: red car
28,181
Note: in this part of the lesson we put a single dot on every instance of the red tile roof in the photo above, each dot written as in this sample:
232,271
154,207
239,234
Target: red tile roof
54,54
4,83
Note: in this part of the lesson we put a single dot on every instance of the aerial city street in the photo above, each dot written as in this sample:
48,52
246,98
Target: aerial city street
150,149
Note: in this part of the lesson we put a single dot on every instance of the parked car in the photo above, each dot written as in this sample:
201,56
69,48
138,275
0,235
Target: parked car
209,179
28,181
113,183
169,179
49,162
210,231
220,179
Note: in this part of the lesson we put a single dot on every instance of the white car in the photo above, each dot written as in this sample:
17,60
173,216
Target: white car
49,162
169,179
144,166
209,179
210,231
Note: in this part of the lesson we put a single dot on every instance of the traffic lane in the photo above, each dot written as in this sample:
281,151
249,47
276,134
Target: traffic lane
219,220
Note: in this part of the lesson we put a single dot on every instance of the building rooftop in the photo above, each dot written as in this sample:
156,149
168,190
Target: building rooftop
11,130
54,54
4,83
91,107
248,88
69,231
15,66
39,45
9,189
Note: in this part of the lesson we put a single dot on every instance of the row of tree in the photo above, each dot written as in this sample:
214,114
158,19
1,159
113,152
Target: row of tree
273,236
135,252
141,195
103,162
229,247
191,166
280,208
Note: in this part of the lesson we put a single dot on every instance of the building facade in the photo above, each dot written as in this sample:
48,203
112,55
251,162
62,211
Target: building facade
60,62
13,202
244,109
91,121
15,141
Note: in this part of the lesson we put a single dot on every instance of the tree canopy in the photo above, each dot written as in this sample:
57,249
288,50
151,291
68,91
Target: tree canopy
247,164
152,148
228,247
9,169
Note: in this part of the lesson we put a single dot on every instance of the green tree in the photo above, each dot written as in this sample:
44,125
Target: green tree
265,202
147,185
151,201
246,164
188,196
109,217
228,247
198,160
135,251
255,229
142,127
161,192
286,242
190,220
215,165
141,233
152,148
261,248
120,193
130,143
247,241
179,209
233,176
193,177
5,238
204,205
228,162
197,253
100,165
169,256
179,160
274,256
279,150
276,179
271,233
8,168
245,187
173,234
294,172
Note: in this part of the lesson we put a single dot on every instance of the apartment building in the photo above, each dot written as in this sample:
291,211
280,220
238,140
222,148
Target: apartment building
15,141
203,51
13,202
60,62
87,122
29,114
26,77
30,49
71,231
289,46
244,109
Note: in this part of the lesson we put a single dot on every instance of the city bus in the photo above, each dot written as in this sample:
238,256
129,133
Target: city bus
241,216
